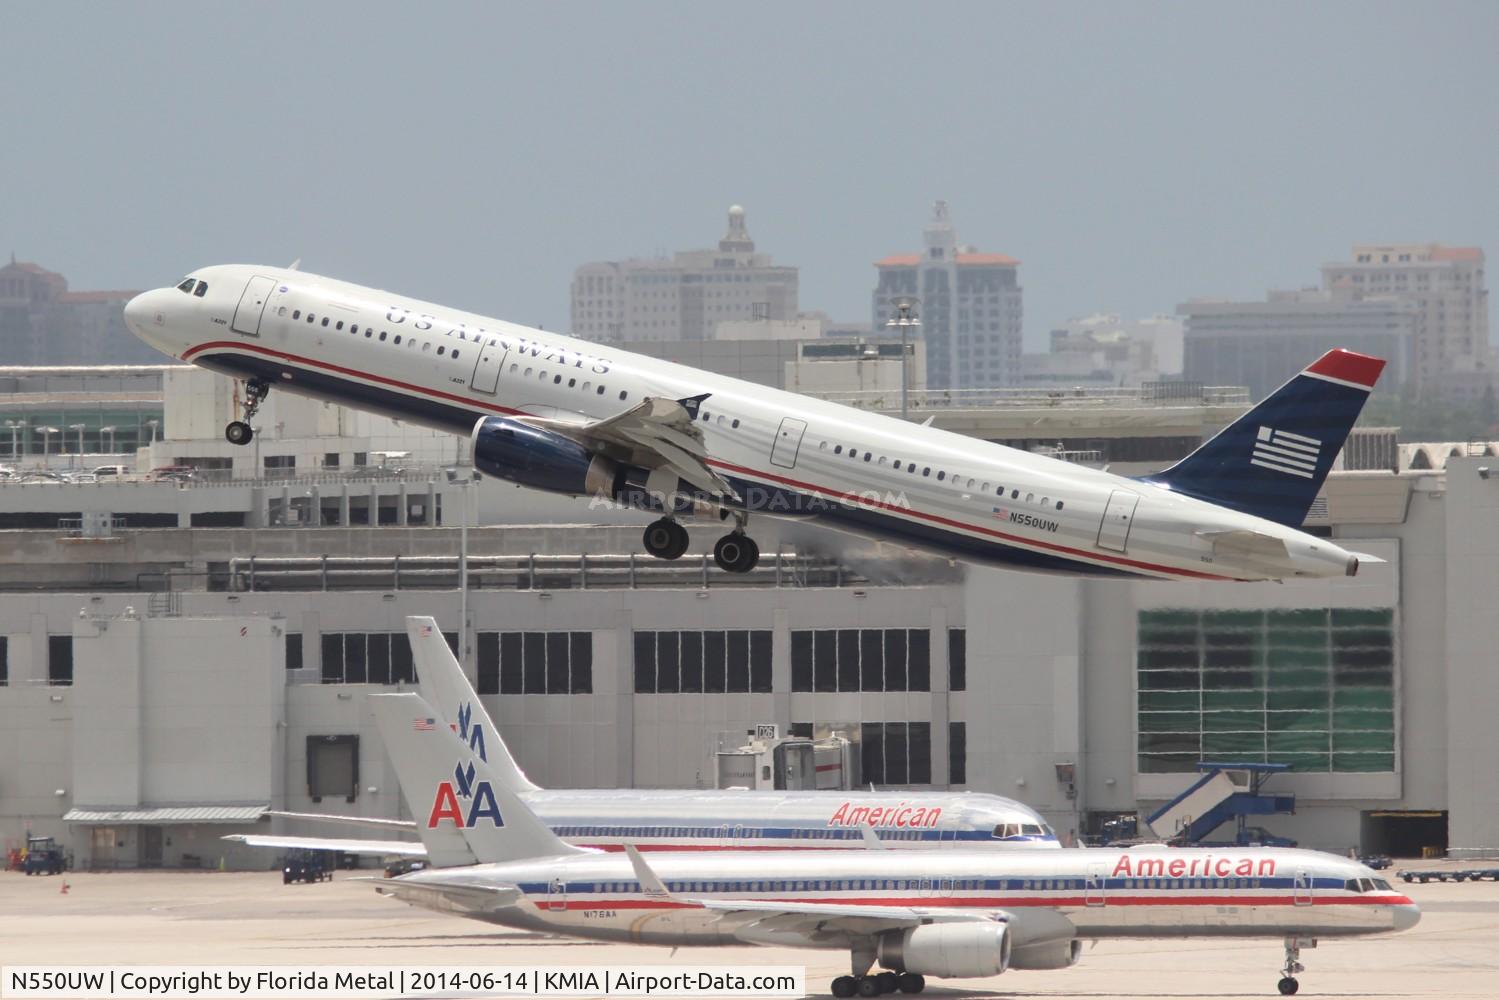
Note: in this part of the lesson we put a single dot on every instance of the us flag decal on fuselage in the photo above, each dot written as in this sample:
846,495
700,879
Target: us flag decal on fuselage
1293,454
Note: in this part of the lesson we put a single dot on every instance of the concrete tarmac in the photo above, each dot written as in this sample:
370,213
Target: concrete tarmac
211,918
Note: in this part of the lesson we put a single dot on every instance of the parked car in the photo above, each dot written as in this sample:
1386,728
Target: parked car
1379,862
110,471
44,857
306,866
405,866
174,473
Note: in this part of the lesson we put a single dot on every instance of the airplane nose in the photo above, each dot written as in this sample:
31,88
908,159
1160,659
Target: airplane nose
137,311
1407,915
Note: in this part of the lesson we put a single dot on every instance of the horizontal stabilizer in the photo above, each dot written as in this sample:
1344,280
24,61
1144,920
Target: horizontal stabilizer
452,897
371,821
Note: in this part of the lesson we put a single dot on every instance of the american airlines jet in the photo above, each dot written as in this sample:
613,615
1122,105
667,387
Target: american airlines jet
674,819
563,415
956,913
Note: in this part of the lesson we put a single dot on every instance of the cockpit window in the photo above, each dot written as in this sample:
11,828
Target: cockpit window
187,285
1031,830
1382,885
1364,884
1004,831
201,289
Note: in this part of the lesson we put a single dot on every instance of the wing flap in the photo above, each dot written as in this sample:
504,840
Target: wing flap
451,897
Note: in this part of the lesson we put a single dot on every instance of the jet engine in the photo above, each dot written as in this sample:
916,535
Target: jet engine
1051,955
541,459
962,950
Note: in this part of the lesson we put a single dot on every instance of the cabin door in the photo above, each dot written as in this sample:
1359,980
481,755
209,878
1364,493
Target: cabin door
1303,889
788,442
486,377
252,306
1093,892
1118,516
556,894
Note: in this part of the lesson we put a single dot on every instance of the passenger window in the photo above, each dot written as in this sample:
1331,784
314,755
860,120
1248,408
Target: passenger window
382,334
941,476
1030,498
822,446
426,346
1045,501
1059,505
455,355
201,289
927,471
339,325
296,314
397,340
601,390
837,449
354,328
441,349
1014,494
325,321
897,465
311,318
512,369
883,459
623,394
557,380
369,332
868,455
570,382
281,311
587,386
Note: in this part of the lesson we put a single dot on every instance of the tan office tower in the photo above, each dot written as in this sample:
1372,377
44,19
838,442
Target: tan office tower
969,306
685,296
1451,351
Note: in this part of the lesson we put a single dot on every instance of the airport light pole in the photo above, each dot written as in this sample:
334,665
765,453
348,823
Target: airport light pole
80,429
110,430
47,433
905,319
15,437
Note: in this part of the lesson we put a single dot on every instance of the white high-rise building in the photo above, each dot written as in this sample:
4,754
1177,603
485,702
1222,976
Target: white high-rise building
684,297
968,303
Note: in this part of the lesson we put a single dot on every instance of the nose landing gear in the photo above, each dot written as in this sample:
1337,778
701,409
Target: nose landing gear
1288,984
239,431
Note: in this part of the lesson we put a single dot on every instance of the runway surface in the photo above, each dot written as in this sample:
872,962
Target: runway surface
211,918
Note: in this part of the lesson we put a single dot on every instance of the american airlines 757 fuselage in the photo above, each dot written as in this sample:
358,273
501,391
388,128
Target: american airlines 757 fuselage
782,453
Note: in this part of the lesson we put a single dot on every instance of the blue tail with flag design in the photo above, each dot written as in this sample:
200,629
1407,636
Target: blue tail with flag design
1272,461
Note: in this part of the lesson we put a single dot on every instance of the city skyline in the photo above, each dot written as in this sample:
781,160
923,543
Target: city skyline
1130,156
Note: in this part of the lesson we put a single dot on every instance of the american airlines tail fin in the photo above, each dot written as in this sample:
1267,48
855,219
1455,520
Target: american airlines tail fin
443,685
1272,461
449,789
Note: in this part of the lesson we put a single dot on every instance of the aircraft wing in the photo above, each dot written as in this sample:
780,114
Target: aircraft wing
380,824
381,848
656,433
471,897
762,919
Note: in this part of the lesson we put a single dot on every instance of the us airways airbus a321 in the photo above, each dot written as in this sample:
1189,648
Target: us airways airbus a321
563,415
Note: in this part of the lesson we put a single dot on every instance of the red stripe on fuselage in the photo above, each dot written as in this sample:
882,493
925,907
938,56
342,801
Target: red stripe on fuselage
850,498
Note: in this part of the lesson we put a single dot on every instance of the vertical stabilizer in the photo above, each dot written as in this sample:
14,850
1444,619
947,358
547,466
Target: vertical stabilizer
449,788
443,685
1272,461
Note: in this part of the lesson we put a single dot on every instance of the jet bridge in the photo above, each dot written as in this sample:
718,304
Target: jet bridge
1224,792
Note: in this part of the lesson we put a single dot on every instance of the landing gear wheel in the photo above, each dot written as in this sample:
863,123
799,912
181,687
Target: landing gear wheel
665,539
889,982
869,986
239,432
1288,986
911,983
736,553
844,986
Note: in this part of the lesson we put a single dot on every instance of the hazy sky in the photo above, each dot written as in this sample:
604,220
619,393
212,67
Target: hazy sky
1132,155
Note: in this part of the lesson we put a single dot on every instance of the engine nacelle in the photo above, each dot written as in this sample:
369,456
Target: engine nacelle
952,950
541,459
1052,955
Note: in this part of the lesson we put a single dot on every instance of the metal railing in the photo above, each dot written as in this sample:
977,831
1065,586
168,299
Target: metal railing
1163,394
533,571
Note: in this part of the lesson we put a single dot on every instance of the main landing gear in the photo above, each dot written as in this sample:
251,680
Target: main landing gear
735,552
878,984
240,431
1288,984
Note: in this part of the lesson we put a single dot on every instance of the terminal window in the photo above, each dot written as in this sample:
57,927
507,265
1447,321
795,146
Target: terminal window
60,660
4,660
896,753
734,661
861,659
957,753
369,657
1313,688
535,662
957,659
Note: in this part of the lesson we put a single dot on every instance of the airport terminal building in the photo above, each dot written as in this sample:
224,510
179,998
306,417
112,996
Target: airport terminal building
162,685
